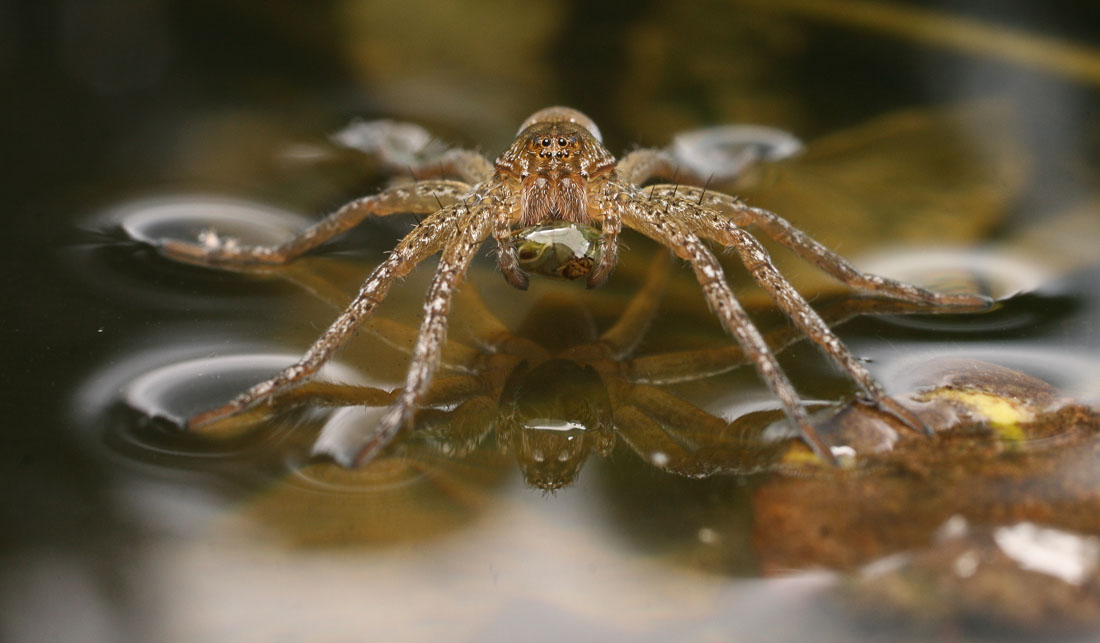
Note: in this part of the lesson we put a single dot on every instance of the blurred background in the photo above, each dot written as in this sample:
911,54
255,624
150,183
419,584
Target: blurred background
108,101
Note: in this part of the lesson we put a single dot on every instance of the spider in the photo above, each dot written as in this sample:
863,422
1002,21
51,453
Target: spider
554,390
557,171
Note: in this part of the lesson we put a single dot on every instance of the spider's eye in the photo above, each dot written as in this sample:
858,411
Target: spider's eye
546,142
561,142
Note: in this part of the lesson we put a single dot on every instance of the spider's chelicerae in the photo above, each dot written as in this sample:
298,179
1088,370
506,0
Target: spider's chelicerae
558,172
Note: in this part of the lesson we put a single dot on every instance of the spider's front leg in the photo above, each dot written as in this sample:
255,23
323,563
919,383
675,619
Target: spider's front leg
759,264
423,197
653,219
470,230
780,230
424,241
720,217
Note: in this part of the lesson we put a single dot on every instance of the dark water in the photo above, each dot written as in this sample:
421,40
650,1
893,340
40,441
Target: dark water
131,120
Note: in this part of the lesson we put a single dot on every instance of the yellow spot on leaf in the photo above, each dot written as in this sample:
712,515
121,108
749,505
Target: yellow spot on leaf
1004,415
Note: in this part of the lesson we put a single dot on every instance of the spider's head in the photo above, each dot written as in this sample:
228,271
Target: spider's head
556,153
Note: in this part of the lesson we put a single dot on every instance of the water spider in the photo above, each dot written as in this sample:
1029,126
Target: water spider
558,190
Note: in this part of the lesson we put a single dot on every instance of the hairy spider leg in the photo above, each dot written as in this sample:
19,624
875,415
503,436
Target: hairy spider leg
467,165
473,226
716,214
424,241
758,262
423,197
639,166
655,223
783,232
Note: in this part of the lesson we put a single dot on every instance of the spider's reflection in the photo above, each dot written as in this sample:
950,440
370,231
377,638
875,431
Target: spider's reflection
554,388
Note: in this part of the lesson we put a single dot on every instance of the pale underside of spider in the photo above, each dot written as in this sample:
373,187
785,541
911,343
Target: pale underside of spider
558,171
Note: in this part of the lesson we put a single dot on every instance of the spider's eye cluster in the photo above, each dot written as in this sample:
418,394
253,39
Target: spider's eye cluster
548,147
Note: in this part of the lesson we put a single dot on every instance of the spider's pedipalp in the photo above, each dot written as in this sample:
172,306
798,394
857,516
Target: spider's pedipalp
506,251
612,225
423,197
652,220
470,229
424,241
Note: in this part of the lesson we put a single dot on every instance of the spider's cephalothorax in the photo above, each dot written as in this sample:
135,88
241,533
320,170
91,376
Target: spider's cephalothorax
556,153
555,187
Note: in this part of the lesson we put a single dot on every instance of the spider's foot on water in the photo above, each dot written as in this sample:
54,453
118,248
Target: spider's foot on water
903,414
969,302
397,417
810,437
200,422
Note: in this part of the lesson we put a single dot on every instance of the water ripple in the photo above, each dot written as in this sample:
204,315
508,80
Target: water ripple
159,388
182,217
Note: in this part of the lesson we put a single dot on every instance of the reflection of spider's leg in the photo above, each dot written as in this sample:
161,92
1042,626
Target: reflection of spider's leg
305,275
424,197
631,326
650,218
717,446
419,244
459,431
482,323
469,231
706,220
455,389
488,333
688,365
759,264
